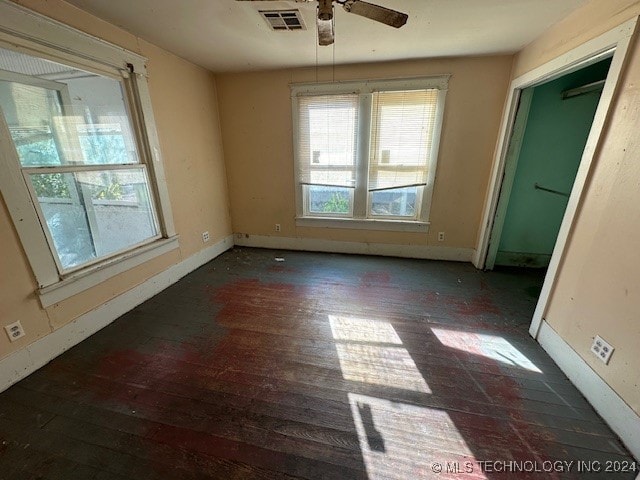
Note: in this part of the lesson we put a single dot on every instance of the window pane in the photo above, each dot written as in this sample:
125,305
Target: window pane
59,115
332,132
35,146
94,214
403,124
399,202
329,200
66,218
402,133
327,140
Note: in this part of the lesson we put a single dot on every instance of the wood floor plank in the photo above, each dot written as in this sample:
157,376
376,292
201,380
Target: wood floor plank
330,417
322,366
334,391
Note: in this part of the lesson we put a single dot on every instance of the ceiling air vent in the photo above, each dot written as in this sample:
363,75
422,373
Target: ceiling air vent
283,19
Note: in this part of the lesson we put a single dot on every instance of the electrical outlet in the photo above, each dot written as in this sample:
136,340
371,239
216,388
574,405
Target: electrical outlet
205,237
278,227
601,349
441,236
15,331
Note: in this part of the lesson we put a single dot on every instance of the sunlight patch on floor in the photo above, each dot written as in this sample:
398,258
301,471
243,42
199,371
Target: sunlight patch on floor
370,351
387,366
489,346
353,329
401,441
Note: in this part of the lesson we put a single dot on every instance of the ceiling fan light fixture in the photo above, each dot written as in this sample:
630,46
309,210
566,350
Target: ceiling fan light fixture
325,32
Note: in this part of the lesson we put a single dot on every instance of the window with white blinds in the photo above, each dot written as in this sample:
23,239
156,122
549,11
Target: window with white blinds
326,150
367,150
327,140
401,138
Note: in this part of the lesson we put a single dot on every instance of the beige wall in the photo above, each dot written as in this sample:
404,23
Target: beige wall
598,286
255,109
185,107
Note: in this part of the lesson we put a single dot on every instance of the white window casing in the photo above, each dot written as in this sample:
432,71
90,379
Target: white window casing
403,113
26,32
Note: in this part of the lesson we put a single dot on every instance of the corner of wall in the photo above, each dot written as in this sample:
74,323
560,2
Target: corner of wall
25,361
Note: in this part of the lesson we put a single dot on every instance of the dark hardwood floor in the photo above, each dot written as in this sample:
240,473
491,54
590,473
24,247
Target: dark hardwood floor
321,366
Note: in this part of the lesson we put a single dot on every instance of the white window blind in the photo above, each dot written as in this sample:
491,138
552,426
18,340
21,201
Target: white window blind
402,129
327,140
366,152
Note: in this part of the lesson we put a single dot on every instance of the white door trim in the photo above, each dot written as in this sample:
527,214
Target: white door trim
616,41
510,167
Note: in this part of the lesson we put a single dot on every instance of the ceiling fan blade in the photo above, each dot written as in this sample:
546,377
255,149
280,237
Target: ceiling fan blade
376,12
325,32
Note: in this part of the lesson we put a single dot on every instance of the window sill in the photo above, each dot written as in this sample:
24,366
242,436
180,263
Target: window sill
363,224
85,279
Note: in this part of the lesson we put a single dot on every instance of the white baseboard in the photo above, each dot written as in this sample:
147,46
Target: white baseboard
476,259
27,360
335,246
613,409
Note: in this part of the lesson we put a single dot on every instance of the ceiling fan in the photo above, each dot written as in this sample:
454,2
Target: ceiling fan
380,14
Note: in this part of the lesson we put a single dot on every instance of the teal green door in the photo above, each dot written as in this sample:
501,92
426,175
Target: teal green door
552,145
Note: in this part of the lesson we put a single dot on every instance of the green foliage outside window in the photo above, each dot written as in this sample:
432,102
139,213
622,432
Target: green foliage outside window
112,191
50,185
338,203
106,149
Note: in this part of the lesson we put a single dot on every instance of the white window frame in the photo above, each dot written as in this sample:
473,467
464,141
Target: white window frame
361,196
33,34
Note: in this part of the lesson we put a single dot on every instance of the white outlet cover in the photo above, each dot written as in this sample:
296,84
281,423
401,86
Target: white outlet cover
602,349
14,331
205,236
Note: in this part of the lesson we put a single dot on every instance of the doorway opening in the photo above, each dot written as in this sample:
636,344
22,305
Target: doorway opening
550,131
613,44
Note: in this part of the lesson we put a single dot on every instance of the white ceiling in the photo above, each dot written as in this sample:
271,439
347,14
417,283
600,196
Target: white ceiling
227,35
